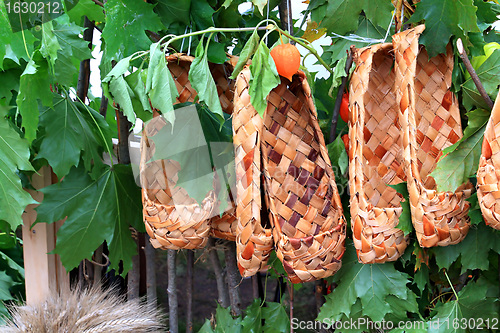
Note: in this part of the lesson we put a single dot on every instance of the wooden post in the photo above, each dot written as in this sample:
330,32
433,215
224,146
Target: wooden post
44,272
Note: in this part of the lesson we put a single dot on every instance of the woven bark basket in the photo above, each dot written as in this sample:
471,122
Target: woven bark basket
488,174
253,241
186,224
304,204
375,156
430,121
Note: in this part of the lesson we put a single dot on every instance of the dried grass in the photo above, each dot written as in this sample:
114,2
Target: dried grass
85,310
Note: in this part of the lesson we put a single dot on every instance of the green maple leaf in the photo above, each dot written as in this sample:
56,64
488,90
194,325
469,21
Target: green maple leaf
85,8
225,322
160,85
70,133
34,84
50,44
252,322
264,78
404,222
96,211
454,169
126,25
276,318
173,11
6,283
202,81
473,250
14,155
73,50
371,284
341,17
488,74
443,19
472,302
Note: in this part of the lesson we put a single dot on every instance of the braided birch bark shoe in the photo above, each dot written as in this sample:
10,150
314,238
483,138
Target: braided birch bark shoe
375,156
185,224
305,209
430,120
488,174
253,242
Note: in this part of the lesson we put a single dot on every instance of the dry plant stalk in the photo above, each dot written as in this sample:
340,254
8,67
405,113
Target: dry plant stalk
85,310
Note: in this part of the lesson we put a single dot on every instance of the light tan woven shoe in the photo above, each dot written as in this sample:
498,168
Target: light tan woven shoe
253,242
430,120
488,174
304,204
185,224
375,156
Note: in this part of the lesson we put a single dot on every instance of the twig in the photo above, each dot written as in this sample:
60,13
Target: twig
172,292
153,35
233,277
189,291
473,74
97,2
84,76
219,274
150,274
338,101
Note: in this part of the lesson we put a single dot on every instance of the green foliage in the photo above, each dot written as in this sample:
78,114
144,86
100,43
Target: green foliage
443,19
371,284
69,135
126,25
202,81
272,314
246,53
488,74
264,78
14,155
95,211
404,222
462,159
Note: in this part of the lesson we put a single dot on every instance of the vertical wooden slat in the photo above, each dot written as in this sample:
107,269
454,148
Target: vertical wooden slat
44,272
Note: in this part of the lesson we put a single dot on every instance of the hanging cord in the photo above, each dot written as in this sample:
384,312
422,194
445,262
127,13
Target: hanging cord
182,44
190,38
267,18
290,22
367,40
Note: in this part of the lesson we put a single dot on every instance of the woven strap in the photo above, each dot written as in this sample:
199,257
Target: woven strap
305,209
185,224
430,121
488,174
375,157
253,242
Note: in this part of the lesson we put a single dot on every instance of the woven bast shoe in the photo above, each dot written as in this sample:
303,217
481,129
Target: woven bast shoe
253,242
488,174
375,156
430,120
185,224
304,204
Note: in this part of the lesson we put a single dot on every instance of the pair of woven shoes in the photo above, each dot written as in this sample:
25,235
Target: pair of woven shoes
403,115
286,146
172,218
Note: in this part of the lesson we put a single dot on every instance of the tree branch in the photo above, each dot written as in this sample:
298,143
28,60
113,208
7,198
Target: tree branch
172,292
219,274
82,87
150,274
189,291
473,74
97,2
233,277
338,101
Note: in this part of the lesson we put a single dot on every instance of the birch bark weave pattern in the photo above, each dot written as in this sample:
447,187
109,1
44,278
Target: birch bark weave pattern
375,156
304,204
184,224
430,121
488,174
253,242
